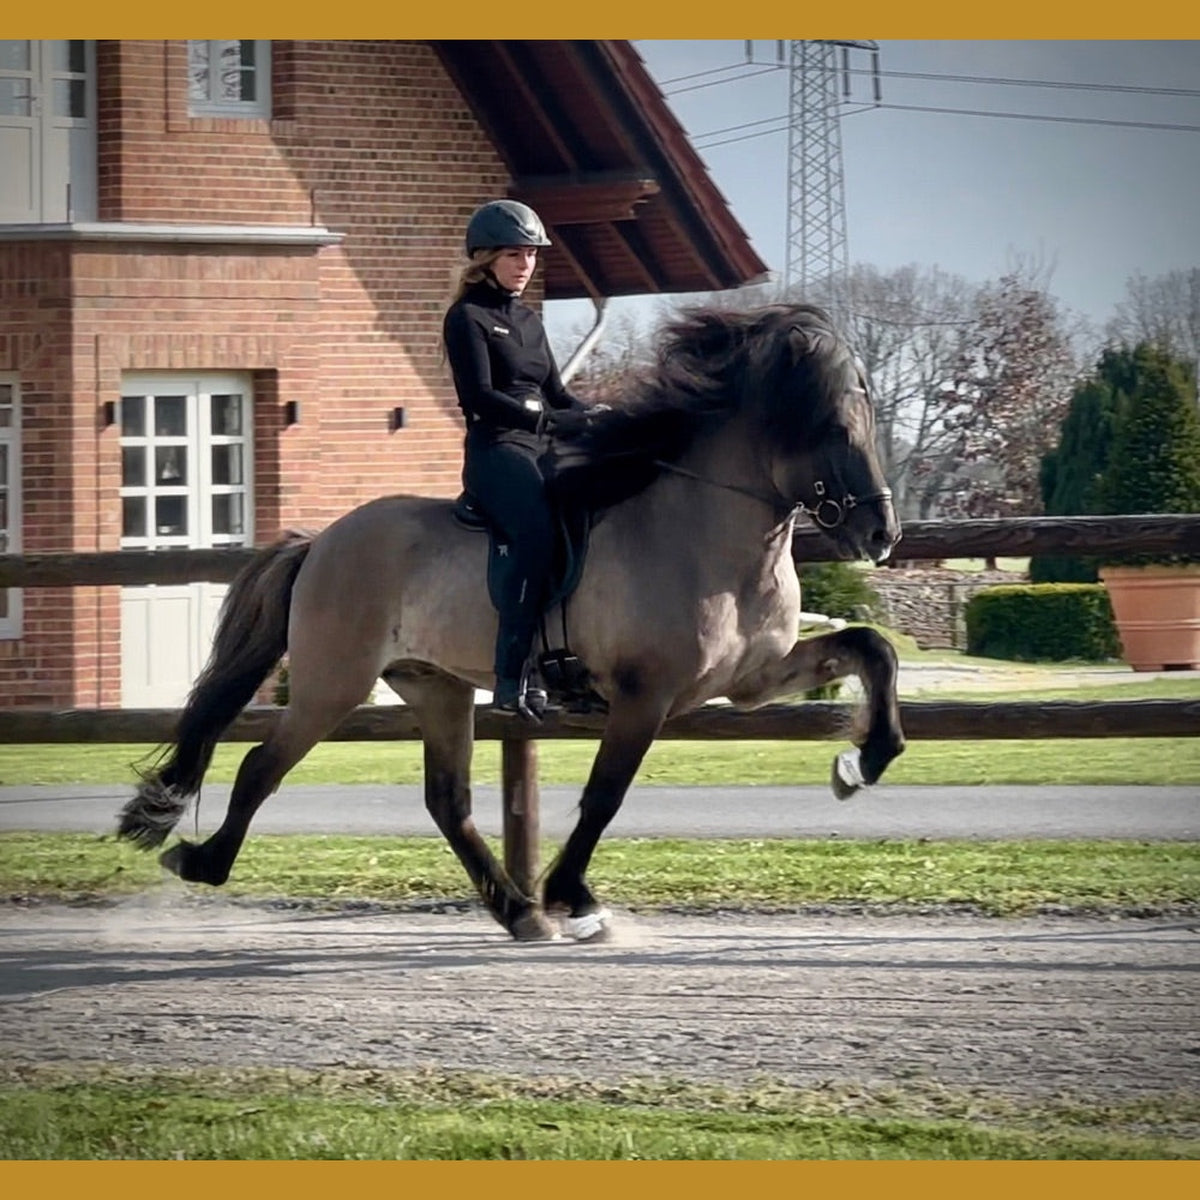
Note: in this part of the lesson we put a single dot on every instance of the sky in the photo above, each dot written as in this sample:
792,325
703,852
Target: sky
1093,203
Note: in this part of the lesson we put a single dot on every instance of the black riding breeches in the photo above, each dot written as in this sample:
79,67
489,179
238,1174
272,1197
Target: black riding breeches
503,474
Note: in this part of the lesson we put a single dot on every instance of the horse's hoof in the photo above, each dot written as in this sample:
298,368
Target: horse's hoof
532,926
847,777
188,861
172,859
595,926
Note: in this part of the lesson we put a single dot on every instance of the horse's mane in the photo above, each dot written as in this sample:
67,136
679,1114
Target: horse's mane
710,364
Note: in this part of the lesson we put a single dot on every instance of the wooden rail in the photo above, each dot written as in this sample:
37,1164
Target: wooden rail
1016,537
812,721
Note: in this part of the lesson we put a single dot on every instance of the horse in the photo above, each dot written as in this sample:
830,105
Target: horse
745,422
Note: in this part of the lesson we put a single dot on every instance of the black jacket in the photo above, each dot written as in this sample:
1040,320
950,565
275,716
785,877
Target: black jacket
504,371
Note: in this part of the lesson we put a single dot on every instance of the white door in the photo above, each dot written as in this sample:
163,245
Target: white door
47,131
186,457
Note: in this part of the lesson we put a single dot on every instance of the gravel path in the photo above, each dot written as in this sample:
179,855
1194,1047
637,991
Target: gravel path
1027,1007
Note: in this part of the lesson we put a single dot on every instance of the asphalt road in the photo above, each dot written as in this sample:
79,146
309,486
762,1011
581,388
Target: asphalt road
1158,813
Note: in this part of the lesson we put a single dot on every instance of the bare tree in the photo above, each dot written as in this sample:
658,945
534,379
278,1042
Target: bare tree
1010,392
908,326
1164,311
626,346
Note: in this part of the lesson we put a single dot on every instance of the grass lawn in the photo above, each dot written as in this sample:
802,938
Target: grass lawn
114,1113
997,878
1174,761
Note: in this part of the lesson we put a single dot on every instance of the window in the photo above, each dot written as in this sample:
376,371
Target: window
229,79
47,131
185,462
10,499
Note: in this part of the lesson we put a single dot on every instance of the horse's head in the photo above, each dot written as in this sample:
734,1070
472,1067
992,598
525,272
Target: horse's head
820,438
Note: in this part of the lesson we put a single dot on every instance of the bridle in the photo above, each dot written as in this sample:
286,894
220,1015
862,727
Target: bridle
826,511
836,511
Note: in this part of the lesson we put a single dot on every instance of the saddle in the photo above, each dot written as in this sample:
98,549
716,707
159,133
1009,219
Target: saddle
565,677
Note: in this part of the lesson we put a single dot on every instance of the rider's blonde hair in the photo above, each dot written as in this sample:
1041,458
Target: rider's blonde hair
473,271
466,275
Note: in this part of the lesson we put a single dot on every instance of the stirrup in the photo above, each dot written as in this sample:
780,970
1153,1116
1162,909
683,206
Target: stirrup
525,701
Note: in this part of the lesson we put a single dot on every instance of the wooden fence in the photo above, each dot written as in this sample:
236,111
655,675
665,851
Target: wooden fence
923,540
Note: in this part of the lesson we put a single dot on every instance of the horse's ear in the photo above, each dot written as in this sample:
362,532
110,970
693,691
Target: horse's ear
807,340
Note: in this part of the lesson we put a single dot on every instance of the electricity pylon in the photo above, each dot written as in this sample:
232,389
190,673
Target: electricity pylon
817,259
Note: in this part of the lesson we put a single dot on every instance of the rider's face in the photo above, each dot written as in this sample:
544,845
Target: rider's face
514,267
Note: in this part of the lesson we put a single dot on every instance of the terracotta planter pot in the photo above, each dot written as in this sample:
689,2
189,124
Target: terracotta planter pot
1157,612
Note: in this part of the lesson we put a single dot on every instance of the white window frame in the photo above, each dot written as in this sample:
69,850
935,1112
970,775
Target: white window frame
10,439
199,441
213,105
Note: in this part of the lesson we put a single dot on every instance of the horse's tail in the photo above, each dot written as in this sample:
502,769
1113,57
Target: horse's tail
250,639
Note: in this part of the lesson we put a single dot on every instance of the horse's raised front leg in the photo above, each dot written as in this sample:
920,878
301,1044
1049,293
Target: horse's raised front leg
818,660
444,709
632,725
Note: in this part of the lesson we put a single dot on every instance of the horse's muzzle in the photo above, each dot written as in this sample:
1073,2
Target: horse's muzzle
884,536
867,529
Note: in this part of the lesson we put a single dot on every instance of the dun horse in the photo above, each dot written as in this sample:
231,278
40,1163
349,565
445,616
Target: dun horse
688,592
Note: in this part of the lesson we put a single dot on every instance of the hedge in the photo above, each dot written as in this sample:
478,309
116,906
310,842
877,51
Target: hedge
1042,622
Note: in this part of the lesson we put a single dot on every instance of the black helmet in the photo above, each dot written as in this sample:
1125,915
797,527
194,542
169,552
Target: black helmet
501,223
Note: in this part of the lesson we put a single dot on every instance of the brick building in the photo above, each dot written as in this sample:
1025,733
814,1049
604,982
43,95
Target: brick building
223,267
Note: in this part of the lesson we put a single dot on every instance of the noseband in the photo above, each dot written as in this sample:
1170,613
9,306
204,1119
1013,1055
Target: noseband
827,512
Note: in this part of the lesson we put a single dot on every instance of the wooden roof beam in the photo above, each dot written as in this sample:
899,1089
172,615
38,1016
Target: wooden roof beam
580,263
542,102
583,199
641,254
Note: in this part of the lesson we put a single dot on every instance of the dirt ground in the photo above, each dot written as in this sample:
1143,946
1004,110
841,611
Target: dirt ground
1024,1007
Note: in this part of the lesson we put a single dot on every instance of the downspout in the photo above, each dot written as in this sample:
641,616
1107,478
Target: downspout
592,337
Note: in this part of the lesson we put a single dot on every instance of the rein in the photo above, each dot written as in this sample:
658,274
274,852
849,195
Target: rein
827,512
771,501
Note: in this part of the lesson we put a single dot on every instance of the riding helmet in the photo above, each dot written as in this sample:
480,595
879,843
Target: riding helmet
501,223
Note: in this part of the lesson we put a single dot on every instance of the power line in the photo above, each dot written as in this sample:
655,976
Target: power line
996,80
695,87
962,112
968,112
700,74
1006,81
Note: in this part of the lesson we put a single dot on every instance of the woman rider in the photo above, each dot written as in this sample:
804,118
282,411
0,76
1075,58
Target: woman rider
508,386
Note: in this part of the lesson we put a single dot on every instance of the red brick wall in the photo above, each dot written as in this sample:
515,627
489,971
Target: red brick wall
375,143
35,343
371,140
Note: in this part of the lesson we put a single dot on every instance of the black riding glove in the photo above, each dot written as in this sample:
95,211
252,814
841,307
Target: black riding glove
565,422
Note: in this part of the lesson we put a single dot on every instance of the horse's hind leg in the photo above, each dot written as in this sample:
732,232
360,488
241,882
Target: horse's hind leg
814,661
632,725
259,775
444,708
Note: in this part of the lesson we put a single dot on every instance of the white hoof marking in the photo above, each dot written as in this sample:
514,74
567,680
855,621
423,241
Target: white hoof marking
587,926
849,768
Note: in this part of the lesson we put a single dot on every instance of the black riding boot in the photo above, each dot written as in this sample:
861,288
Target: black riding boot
513,690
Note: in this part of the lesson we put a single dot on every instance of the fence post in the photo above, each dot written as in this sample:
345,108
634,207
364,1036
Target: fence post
519,795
